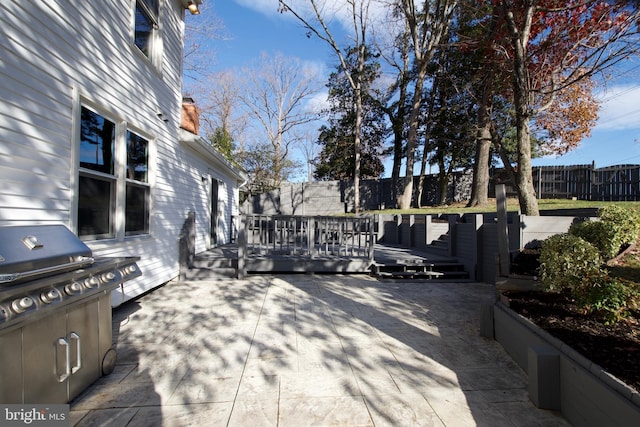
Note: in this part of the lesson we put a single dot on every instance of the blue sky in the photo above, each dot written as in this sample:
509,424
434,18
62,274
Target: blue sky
252,27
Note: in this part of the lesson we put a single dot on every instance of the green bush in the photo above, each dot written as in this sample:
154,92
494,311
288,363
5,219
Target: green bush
565,260
626,222
607,298
617,228
569,263
602,235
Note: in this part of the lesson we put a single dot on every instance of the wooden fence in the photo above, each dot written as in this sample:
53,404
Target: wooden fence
584,182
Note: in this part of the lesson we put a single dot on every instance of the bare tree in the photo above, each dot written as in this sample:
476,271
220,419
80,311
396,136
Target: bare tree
220,105
199,54
275,93
317,24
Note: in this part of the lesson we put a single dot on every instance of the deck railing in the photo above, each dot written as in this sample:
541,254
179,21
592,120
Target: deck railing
308,237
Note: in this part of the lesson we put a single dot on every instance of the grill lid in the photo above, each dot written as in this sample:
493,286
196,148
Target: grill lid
38,250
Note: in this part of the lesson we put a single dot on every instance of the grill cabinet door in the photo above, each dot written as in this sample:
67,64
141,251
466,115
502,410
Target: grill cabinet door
82,330
45,360
55,373
11,367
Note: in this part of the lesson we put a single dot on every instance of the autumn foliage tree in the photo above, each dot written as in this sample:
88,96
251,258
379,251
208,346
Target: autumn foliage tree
569,119
552,48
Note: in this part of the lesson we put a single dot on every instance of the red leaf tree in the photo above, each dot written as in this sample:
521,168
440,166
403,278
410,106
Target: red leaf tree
552,50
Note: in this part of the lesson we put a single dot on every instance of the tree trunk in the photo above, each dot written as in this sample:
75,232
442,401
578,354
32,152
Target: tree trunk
443,186
397,163
480,186
404,199
524,180
357,148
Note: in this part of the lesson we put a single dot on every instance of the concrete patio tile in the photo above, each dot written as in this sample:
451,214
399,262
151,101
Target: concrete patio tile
452,407
120,372
262,412
320,385
210,414
329,364
456,353
198,387
497,396
273,345
271,366
259,387
223,364
102,417
492,378
523,413
328,411
315,341
378,383
421,380
407,410
124,395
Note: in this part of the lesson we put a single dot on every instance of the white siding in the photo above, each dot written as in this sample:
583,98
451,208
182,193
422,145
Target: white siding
56,55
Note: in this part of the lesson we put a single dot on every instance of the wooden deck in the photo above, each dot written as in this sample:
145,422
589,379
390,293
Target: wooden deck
389,262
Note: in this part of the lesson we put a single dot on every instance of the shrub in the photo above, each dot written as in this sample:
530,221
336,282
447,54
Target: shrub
565,260
602,235
617,228
607,298
569,263
626,222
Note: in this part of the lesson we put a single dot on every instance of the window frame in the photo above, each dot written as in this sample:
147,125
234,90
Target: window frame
137,183
86,172
154,49
119,180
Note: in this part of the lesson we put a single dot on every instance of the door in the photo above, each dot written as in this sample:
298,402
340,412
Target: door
47,367
82,333
214,213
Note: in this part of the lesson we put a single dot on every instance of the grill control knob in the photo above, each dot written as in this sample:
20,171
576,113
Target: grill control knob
129,269
4,314
49,296
73,288
107,277
91,282
21,305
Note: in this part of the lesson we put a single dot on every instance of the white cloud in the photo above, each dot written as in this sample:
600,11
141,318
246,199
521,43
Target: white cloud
620,108
319,102
332,10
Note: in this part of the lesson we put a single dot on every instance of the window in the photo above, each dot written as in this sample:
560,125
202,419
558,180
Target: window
108,188
137,198
146,27
97,183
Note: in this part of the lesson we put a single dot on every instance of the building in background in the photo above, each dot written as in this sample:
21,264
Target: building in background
90,133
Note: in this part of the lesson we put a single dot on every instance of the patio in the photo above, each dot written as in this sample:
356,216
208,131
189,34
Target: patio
296,350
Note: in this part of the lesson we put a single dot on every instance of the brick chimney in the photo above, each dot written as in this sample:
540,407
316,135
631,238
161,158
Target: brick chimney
190,116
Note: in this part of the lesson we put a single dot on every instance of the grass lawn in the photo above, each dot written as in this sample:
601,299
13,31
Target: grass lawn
512,205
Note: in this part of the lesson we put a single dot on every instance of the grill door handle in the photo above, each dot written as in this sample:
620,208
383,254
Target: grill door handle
78,365
64,343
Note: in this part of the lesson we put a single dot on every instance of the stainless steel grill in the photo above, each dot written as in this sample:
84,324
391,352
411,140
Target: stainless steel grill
55,313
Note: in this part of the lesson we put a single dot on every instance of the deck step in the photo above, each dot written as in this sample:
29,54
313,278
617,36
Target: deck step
411,269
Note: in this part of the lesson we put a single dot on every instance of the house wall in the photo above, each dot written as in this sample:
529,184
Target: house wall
58,55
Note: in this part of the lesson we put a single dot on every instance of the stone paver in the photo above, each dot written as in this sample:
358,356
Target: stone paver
303,350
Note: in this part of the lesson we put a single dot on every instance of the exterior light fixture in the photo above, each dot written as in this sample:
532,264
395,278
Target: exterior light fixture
193,8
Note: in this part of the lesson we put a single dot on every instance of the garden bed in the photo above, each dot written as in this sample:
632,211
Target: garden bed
560,377
616,348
